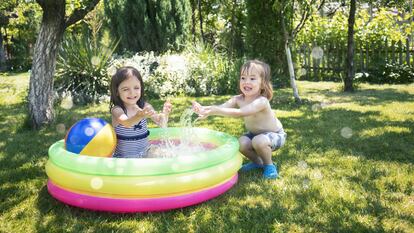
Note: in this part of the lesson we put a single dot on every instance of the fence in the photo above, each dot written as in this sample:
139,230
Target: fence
328,62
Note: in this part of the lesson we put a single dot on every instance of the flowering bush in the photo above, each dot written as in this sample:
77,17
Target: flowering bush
198,71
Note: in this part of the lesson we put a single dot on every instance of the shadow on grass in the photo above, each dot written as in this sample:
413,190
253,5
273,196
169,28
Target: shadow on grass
253,205
374,96
350,133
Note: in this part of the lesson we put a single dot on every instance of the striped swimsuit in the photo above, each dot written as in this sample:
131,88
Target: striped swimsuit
132,142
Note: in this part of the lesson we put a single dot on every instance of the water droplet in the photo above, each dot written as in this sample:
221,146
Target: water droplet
95,60
111,71
89,131
317,52
346,132
302,165
316,107
306,183
61,128
302,72
96,183
317,175
67,102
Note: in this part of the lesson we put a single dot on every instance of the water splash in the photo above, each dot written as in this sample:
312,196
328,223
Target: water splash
186,144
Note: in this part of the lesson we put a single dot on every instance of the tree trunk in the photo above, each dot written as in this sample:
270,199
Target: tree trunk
290,64
193,20
2,54
44,62
54,23
348,86
292,73
200,17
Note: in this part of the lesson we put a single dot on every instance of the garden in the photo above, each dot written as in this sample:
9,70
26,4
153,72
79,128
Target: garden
346,166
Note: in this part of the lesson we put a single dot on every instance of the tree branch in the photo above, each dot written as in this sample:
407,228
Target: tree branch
80,13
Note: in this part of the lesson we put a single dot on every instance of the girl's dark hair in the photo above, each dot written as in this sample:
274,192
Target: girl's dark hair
121,75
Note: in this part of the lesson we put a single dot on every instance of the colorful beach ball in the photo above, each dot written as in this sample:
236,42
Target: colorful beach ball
91,136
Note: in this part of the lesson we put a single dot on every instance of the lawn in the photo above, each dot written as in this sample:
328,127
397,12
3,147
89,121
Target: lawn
347,166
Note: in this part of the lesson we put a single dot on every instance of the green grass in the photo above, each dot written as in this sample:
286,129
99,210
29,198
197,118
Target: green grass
347,166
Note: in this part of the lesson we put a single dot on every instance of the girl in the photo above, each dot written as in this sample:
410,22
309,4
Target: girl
265,132
130,112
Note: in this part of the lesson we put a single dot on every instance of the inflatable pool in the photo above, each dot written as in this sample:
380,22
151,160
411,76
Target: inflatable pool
146,184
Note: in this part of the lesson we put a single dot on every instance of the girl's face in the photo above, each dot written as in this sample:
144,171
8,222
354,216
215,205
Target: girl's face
251,83
130,91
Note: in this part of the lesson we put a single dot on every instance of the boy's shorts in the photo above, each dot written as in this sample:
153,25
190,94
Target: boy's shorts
277,139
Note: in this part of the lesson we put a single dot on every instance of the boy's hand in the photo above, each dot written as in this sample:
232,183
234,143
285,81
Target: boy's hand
200,110
196,107
167,107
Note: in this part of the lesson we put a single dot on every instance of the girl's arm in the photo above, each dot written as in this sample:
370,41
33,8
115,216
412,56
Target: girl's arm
121,118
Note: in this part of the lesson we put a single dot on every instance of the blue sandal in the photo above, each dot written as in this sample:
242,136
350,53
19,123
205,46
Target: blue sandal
270,171
250,166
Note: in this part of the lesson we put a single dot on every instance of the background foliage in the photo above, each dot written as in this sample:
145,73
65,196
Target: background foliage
19,34
149,25
232,30
197,71
264,38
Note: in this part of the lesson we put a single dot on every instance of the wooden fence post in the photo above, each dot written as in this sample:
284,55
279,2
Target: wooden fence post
386,50
400,52
407,51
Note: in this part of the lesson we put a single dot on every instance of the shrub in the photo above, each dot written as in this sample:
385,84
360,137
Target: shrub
198,71
82,69
390,74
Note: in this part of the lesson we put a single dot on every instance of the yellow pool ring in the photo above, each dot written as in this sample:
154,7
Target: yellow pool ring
143,197
144,185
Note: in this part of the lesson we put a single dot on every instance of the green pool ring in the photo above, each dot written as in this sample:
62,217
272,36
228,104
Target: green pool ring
226,148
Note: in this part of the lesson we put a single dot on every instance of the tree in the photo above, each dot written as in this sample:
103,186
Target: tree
294,12
54,23
149,25
350,71
5,14
264,40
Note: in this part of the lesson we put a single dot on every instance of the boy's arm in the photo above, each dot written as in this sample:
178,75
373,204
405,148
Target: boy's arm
231,103
249,109
200,109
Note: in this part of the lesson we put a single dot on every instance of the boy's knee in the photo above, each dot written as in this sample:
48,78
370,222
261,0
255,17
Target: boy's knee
245,143
260,141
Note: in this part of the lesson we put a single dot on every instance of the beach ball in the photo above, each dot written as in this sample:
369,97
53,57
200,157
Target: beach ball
91,136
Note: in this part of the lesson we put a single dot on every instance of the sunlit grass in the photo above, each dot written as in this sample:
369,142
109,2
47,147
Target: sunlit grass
347,166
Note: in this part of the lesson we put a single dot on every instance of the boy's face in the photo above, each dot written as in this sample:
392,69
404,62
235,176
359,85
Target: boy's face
251,82
130,91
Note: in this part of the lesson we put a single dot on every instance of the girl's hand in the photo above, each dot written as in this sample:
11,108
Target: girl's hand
147,112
